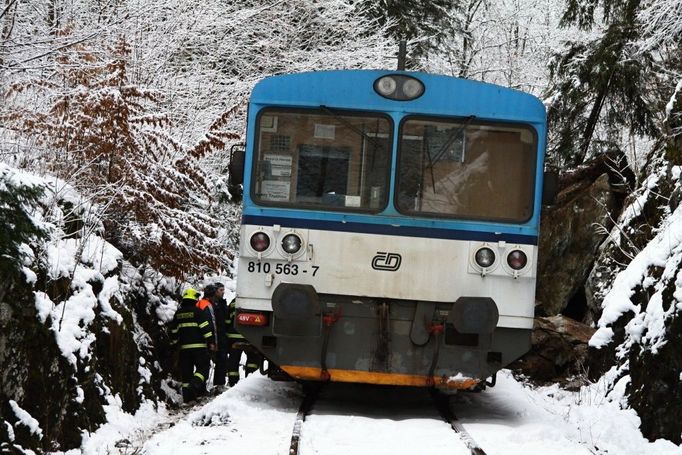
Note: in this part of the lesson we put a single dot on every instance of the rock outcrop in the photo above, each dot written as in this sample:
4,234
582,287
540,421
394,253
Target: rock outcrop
558,353
65,399
589,200
634,291
72,337
571,232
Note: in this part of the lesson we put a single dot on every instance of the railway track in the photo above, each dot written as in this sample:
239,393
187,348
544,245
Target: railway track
440,400
306,405
443,404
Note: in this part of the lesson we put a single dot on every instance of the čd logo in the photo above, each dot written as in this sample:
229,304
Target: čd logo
389,262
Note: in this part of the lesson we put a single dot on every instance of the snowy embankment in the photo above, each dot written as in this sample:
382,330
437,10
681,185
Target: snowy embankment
638,284
664,251
257,417
77,351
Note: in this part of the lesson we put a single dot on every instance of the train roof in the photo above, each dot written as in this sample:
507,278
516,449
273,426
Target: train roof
444,95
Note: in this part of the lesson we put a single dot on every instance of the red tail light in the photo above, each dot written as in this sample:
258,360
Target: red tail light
256,319
260,242
517,259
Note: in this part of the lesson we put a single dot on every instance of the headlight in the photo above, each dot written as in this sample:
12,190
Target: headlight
291,243
412,88
260,242
485,257
399,87
386,86
517,259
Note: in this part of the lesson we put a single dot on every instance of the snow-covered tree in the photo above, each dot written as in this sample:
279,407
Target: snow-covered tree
107,140
507,42
137,103
426,25
18,227
602,86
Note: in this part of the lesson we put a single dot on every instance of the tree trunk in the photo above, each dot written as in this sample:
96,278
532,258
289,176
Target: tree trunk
593,119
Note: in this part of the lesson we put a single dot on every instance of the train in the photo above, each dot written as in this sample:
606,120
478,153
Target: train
390,225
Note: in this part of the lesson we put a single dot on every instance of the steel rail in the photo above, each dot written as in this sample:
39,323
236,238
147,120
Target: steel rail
307,404
443,405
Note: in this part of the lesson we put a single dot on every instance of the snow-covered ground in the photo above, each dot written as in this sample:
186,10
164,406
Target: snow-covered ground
257,417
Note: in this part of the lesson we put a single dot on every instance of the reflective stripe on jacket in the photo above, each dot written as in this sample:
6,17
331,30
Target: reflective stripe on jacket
232,333
190,327
206,306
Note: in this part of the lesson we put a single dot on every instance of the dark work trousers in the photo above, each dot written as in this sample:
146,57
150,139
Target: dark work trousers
220,366
234,355
194,367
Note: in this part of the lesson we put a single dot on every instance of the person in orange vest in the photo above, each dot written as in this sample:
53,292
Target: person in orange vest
191,330
206,305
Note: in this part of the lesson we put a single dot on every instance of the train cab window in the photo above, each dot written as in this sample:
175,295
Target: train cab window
464,169
322,159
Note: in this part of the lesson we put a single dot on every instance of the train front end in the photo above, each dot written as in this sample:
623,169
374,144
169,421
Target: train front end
390,226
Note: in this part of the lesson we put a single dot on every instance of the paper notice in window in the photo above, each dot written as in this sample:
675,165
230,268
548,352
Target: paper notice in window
273,190
325,131
352,201
280,165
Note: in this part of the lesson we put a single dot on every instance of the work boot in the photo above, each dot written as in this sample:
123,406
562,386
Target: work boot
188,395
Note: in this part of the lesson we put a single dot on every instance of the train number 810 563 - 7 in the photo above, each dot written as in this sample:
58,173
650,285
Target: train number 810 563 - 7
278,269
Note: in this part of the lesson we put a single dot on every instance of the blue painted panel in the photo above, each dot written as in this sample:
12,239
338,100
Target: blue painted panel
265,213
444,96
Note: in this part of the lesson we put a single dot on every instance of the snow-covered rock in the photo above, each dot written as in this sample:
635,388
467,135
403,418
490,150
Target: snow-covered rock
636,292
80,336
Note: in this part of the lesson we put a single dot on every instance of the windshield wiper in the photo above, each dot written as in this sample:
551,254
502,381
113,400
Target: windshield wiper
439,155
450,139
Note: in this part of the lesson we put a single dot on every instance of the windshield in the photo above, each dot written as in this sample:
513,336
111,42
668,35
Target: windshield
466,169
322,159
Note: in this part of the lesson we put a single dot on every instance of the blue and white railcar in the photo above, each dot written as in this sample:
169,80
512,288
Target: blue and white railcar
390,226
